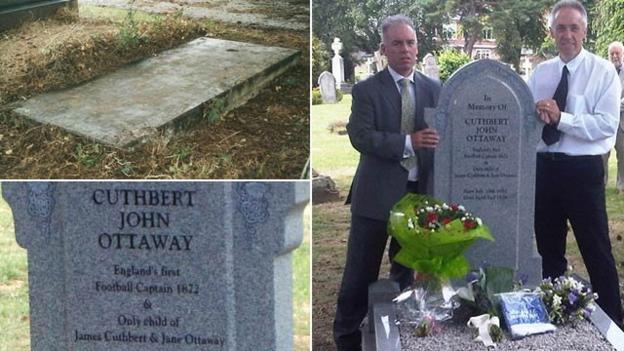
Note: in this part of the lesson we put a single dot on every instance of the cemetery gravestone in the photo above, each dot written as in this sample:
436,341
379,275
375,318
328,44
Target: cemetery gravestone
430,67
204,78
159,265
337,62
486,160
15,12
327,85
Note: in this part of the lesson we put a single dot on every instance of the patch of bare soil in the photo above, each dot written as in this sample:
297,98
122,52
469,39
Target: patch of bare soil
268,137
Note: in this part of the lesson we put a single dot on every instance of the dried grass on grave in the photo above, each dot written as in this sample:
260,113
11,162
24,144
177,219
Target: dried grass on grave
268,137
65,51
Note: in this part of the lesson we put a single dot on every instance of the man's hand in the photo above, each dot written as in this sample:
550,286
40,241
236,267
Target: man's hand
548,111
425,138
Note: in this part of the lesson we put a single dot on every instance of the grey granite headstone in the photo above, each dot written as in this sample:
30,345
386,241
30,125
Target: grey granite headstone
327,85
486,160
159,265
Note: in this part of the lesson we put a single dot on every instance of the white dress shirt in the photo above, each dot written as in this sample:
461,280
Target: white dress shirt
408,150
591,118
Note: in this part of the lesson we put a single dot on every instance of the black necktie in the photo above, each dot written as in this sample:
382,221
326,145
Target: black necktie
550,134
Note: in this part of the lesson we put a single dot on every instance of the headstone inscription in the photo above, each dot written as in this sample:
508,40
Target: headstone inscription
486,160
159,265
327,84
15,12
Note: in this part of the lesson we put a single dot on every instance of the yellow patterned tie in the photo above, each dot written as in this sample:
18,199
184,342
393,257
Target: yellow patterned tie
408,110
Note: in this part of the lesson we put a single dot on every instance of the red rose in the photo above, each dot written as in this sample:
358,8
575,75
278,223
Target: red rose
469,224
432,217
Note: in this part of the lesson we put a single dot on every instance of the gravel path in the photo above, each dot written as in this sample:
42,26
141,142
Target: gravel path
457,337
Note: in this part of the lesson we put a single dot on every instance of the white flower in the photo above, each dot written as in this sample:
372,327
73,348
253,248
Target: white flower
410,223
479,221
461,208
445,206
556,301
429,208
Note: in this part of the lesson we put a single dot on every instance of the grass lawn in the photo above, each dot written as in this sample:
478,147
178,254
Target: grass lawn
14,310
333,155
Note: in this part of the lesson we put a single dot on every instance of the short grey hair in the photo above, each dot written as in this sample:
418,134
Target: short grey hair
393,21
574,4
616,44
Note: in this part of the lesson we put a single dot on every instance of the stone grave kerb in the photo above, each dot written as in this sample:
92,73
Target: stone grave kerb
262,224
515,251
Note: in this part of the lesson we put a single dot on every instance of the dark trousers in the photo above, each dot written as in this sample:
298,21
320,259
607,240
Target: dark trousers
572,188
367,242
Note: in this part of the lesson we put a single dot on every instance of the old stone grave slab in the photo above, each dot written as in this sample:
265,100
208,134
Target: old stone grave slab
159,265
486,160
165,91
15,12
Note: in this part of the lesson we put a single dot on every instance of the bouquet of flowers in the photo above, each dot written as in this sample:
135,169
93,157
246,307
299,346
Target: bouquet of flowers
567,300
433,235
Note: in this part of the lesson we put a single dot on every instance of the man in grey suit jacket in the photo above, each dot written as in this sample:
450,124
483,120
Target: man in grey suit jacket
396,156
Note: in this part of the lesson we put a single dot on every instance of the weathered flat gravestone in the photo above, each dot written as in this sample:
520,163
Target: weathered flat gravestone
15,12
486,160
327,85
159,265
166,91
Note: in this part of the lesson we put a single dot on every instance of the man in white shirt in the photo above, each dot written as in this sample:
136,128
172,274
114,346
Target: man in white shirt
616,56
577,96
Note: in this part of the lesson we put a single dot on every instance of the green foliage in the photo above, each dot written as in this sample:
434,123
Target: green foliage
517,25
317,99
316,96
320,59
450,61
608,24
129,35
338,95
214,110
548,48
127,169
357,23
88,155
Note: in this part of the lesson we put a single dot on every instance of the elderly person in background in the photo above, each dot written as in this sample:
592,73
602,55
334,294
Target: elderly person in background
616,56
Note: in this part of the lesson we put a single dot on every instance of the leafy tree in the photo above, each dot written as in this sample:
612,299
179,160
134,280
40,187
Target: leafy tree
320,59
518,24
608,24
450,61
